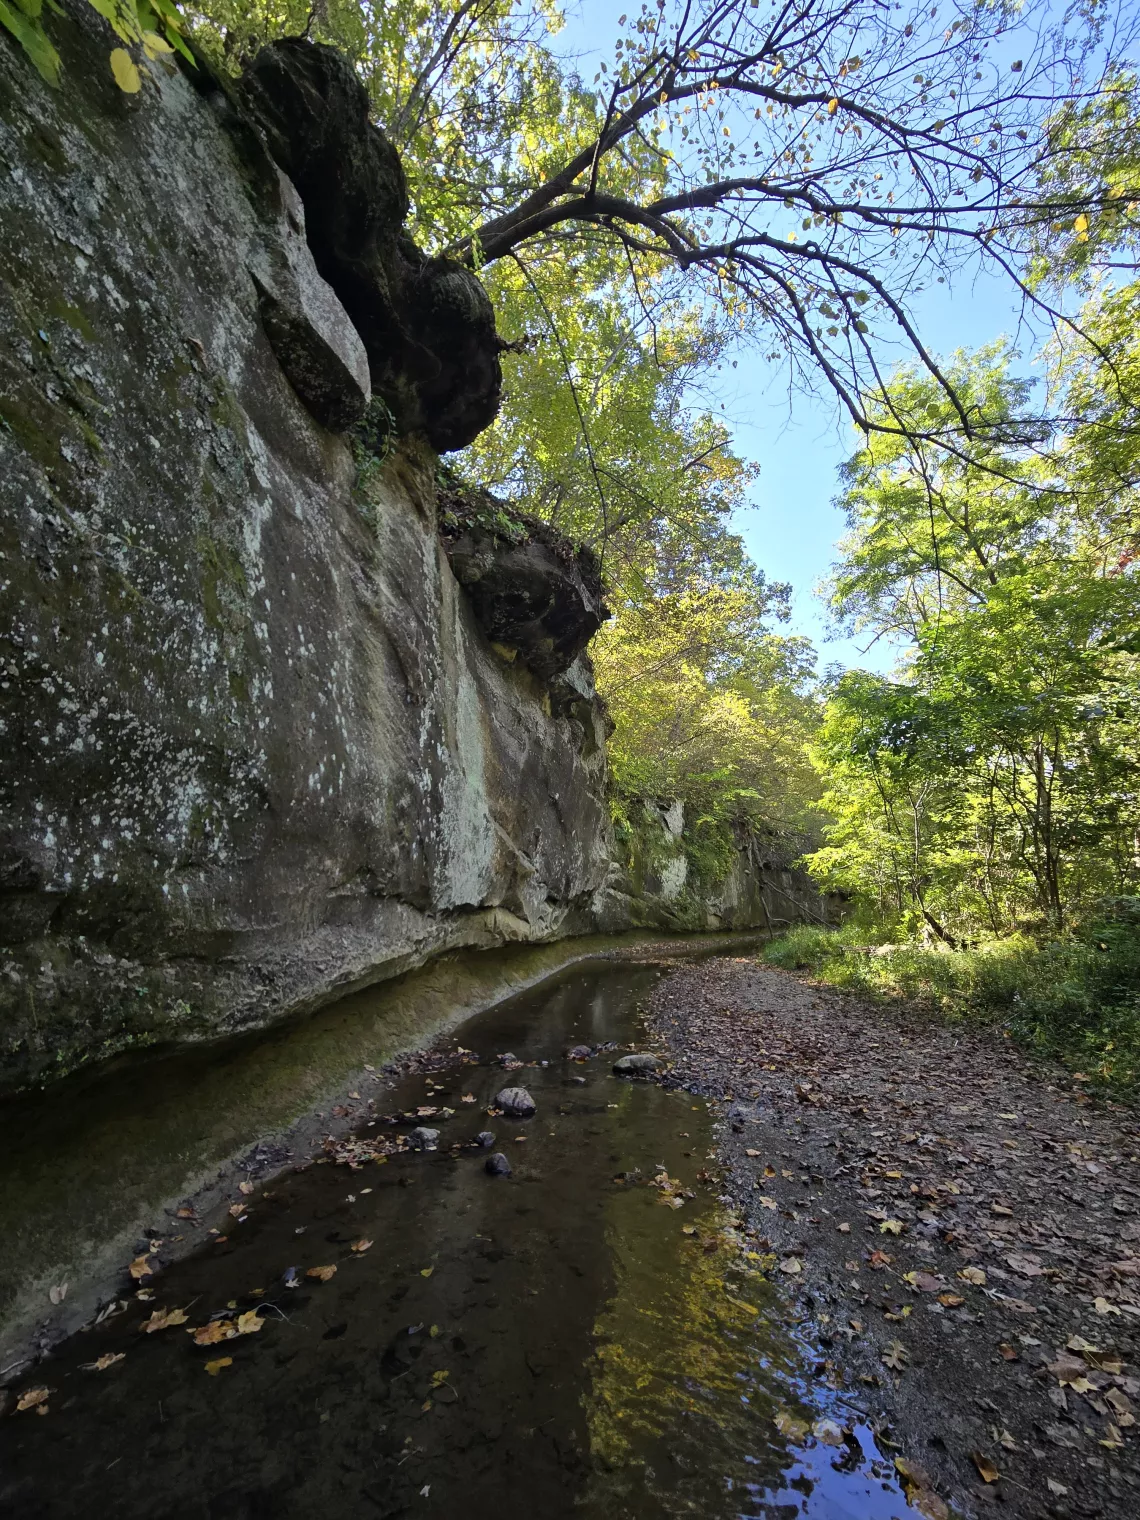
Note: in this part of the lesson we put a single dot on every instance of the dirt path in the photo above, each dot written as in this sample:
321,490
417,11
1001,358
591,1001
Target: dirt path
963,1229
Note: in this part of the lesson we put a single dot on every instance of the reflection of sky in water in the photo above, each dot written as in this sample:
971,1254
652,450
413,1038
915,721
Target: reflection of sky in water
602,1354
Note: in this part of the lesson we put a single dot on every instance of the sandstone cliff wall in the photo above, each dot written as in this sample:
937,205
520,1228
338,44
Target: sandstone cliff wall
254,747
656,880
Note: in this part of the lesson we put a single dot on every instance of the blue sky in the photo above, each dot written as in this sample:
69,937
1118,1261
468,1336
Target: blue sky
799,441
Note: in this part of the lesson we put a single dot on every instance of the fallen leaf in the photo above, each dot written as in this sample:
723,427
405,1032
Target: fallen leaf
973,1275
321,1273
214,1367
237,1209
896,1355
245,1187
878,1260
33,1398
951,1300
184,1214
108,1359
1025,1266
1056,1488
440,1377
217,1330
1102,1306
985,1466
426,1271
791,1265
688,1229
1112,1438
891,1227
751,1153
768,1203
58,1293
790,1425
830,1432
140,1267
361,1245
162,1319
249,1323
1009,1352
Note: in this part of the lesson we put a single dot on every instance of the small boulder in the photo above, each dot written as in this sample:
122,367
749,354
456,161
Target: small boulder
640,1065
516,1102
509,1059
423,1139
484,1140
579,1053
497,1165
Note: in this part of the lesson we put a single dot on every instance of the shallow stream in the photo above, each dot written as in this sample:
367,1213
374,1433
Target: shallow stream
581,1338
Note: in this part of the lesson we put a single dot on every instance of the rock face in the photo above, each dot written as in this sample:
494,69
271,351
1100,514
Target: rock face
427,324
651,884
532,593
255,747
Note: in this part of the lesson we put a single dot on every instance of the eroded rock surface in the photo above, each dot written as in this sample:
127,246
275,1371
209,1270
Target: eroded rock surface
427,323
255,748
535,594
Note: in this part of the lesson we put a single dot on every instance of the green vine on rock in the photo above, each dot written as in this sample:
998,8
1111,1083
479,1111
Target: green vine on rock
150,27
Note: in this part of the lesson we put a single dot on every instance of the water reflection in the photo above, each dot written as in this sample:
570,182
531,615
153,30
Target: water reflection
587,1338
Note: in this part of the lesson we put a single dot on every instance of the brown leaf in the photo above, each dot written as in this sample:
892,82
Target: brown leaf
973,1275
140,1267
361,1245
985,1467
108,1359
878,1260
768,1203
33,1398
322,1273
162,1319
217,1330
245,1187
1009,1352
896,1355
951,1300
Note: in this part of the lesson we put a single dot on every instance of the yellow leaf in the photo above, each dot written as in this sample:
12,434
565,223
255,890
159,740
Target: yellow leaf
832,107
153,44
1081,224
214,1367
108,1359
162,1319
249,1322
973,1275
891,1227
217,1330
140,1267
986,1468
768,1203
426,1271
439,1378
126,75
32,1397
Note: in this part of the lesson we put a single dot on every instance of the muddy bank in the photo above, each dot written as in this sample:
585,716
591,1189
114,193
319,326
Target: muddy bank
961,1227
103,1160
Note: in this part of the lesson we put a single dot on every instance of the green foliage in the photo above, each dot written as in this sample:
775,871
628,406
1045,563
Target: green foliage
995,783
152,28
1075,997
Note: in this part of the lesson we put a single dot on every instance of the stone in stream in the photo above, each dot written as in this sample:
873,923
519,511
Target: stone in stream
497,1165
484,1140
423,1139
515,1102
579,1053
640,1065
509,1059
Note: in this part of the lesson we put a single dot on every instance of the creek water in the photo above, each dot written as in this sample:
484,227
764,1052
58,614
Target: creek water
562,1341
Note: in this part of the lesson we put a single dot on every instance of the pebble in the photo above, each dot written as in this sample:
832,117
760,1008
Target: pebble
423,1139
636,1065
484,1139
516,1102
497,1165
579,1053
